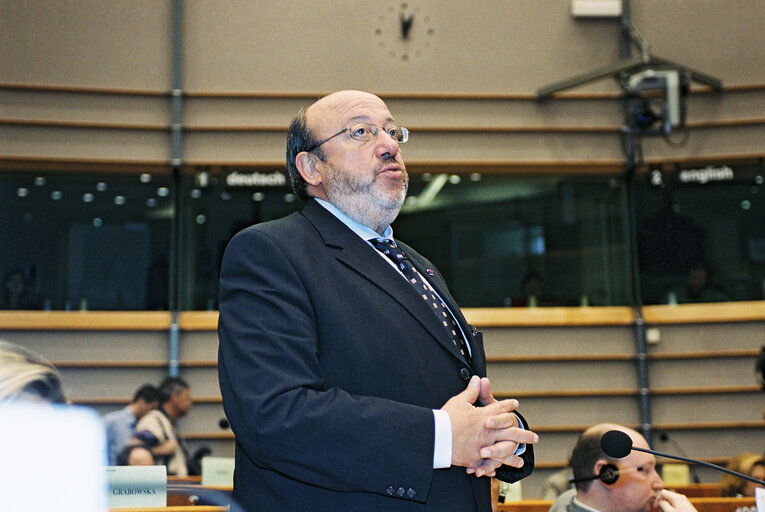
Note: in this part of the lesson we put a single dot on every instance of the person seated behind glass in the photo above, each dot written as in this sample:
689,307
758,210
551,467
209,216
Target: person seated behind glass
695,289
25,375
16,292
532,288
628,484
750,464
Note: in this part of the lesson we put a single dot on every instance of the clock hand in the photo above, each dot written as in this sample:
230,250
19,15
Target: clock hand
406,25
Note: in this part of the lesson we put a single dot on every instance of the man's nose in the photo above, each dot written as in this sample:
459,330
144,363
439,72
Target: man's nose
386,145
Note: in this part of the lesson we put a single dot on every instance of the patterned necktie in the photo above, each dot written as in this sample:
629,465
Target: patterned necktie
397,256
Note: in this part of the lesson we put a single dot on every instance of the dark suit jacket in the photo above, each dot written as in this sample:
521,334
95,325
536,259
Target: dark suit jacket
330,365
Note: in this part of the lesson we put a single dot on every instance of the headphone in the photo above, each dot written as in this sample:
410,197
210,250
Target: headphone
608,474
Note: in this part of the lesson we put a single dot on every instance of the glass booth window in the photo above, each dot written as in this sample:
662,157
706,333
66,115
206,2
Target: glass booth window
701,234
521,241
84,240
498,240
216,204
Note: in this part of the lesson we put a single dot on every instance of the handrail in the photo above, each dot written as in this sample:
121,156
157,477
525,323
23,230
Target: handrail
705,313
557,429
85,320
661,356
702,504
553,316
441,129
588,393
576,95
83,124
178,508
705,354
57,163
125,400
117,364
555,393
751,311
604,167
79,89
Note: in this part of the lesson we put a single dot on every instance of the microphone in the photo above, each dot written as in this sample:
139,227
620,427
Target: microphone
616,444
664,437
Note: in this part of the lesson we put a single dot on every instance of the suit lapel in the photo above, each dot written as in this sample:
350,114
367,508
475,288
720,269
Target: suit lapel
359,257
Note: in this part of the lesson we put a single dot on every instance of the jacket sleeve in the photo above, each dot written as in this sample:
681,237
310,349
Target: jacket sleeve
511,474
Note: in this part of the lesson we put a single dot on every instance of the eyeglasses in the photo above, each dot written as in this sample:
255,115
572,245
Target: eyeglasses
366,132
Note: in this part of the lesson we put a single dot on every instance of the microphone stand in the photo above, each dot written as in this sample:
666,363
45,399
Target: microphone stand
701,462
664,437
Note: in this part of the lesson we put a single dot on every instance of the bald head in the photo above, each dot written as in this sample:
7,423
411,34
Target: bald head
626,484
587,451
322,116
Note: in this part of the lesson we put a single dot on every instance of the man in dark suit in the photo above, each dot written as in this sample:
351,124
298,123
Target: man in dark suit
344,389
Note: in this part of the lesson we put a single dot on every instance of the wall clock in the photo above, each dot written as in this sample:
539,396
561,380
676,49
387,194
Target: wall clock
404,32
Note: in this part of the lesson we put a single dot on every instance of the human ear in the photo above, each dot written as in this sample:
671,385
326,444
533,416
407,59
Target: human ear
306,166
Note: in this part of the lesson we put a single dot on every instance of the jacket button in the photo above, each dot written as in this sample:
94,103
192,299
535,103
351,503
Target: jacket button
411,493
401,492
465,374
390,490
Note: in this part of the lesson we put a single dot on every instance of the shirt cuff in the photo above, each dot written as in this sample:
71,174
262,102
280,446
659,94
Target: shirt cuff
442,444
442,449
521,447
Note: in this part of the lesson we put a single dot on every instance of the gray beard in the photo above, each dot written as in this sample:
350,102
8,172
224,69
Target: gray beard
364,202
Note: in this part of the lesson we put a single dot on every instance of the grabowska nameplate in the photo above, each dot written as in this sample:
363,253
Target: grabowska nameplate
137,486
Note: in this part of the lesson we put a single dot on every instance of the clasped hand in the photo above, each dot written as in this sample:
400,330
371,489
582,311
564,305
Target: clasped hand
484,438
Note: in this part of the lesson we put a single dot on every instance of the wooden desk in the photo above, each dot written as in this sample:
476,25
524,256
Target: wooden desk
698,490
188,508
722,504
709,504
525,506
185,494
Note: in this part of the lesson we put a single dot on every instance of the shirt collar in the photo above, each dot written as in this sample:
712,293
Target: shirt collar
365,232
585,507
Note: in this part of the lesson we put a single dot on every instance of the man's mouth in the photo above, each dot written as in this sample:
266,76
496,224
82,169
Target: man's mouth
391,168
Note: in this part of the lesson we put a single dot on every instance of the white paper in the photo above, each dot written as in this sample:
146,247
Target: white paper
759,495
52,458
218,471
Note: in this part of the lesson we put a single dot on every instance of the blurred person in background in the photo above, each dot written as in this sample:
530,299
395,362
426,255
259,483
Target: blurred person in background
120,425
25,375
750,464
175,403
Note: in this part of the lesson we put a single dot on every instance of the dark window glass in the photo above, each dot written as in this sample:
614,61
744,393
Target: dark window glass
84,240
216,204
515,241
105,241
498,240
701,234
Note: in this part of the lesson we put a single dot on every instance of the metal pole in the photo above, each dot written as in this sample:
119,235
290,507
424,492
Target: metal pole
632,151
176,136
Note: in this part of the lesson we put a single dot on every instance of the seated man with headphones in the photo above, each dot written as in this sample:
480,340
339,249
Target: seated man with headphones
603,484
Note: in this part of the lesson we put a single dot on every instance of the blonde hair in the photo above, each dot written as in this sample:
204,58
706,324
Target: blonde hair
741,463
25,375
